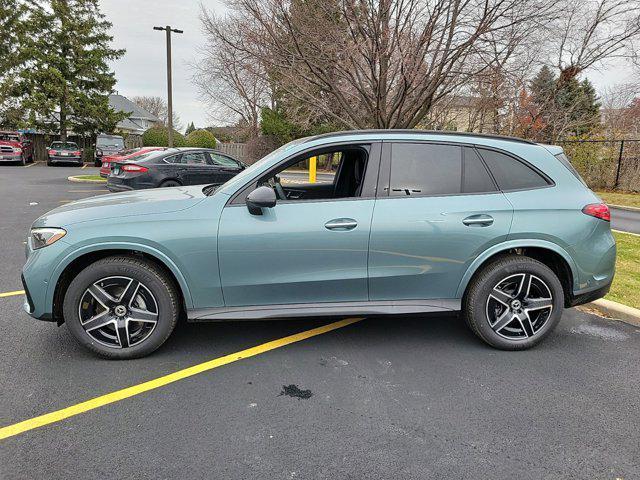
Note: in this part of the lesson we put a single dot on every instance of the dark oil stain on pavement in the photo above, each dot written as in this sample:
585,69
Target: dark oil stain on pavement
294,391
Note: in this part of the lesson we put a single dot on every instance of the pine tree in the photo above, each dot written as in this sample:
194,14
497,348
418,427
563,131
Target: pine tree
190,128
67,80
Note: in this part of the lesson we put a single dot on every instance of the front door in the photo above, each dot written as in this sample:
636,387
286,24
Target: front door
438,211
308,248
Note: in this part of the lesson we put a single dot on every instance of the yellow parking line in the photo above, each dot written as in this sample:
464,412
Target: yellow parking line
84,166
11,294
118,395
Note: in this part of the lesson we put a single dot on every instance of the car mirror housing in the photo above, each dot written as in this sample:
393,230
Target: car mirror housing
261,197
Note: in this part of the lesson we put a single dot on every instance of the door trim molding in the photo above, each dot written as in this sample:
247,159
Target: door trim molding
299,310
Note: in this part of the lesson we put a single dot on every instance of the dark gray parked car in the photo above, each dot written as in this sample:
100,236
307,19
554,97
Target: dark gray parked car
173,167
64,152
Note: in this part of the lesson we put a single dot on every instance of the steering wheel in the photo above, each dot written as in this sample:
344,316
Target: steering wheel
278,188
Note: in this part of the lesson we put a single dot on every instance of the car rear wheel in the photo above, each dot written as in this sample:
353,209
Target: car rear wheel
121,307
170,183
514,303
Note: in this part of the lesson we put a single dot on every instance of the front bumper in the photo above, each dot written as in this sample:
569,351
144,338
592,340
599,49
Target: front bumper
7,157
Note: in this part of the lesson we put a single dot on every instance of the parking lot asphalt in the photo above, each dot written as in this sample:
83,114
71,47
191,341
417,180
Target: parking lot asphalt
399,397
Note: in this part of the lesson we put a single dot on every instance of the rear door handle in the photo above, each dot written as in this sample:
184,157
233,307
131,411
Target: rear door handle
478,220
341,224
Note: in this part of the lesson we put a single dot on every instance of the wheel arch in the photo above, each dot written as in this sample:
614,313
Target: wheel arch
73,264
550,254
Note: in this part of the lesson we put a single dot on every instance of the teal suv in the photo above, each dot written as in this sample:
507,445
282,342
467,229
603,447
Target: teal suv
499,229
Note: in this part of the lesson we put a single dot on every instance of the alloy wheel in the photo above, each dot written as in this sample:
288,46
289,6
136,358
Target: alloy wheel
519,306
118,312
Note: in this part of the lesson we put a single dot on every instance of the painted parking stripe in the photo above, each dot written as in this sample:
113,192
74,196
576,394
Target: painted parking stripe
31,164
11,294
58,415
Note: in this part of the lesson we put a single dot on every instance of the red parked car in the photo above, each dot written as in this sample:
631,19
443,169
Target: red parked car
107,161
15,147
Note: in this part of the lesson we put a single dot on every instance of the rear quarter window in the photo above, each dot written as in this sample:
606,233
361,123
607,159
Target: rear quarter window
567,163
510,173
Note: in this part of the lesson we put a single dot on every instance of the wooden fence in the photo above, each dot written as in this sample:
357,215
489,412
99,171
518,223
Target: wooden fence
239,151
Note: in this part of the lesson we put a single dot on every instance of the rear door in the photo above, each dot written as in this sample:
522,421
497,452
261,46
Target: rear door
439,209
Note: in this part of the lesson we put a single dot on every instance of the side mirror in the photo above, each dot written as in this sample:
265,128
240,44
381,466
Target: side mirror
261,197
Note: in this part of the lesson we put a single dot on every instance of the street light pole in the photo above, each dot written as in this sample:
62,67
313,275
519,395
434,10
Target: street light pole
168,30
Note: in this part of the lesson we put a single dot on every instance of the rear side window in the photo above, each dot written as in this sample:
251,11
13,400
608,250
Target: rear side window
223,161
424,169
511,174
427,169
475,177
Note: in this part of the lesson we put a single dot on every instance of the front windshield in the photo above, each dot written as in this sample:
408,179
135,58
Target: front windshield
8,137
249,171
107,142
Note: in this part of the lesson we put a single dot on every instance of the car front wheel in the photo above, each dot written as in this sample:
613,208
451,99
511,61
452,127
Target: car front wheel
121,307
514,303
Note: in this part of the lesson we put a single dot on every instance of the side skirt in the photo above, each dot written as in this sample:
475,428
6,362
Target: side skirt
299,310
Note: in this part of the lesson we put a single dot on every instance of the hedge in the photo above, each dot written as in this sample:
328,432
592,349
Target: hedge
201,139
158,137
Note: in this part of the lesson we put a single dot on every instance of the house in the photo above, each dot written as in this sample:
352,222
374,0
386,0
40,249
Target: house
139,119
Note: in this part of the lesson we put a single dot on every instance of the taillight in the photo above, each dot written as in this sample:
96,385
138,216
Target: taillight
598,210
130,167
52,152
78,152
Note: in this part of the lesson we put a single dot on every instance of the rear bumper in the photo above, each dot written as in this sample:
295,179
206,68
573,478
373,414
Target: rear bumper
582,297
58,159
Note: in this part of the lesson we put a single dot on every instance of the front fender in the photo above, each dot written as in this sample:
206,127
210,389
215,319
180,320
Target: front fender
76,253
508,245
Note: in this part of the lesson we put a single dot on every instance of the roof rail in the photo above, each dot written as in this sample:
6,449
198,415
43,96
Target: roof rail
411,131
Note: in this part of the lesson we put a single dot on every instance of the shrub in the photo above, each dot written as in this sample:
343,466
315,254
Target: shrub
158,137
201,139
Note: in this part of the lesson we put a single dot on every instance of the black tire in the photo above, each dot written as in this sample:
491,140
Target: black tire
49,163
170,183
490,291
23,160
151,278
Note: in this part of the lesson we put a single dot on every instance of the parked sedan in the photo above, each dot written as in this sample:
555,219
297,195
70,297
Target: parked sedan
107,161
173,167
64,152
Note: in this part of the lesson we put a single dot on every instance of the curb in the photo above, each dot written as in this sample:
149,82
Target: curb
616,311
624,207
84,180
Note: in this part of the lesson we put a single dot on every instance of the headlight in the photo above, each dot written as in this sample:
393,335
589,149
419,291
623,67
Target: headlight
41,237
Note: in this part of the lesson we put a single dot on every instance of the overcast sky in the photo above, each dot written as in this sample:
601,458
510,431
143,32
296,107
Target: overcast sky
142,70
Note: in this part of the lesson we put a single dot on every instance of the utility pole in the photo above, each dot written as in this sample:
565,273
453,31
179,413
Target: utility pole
168,29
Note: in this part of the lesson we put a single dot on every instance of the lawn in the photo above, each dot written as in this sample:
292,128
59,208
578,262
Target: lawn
90,177
621,198
626,284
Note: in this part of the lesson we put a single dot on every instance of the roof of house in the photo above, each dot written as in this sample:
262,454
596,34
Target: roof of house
121,103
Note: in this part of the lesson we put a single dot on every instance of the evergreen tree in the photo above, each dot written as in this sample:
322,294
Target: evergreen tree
563,108
190,128
13,31
66,82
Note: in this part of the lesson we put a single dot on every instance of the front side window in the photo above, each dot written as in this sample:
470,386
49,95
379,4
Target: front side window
510,173
223,161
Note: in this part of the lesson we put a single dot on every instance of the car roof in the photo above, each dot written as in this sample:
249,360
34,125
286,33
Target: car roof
391,133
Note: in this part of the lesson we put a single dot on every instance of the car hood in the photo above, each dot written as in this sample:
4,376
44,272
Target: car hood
10,143
138,202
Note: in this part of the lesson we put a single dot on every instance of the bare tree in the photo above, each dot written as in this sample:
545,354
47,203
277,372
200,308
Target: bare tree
232,83
591,31
375,63
158,106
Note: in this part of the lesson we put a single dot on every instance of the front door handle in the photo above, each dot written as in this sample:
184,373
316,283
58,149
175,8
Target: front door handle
478,221
341,224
